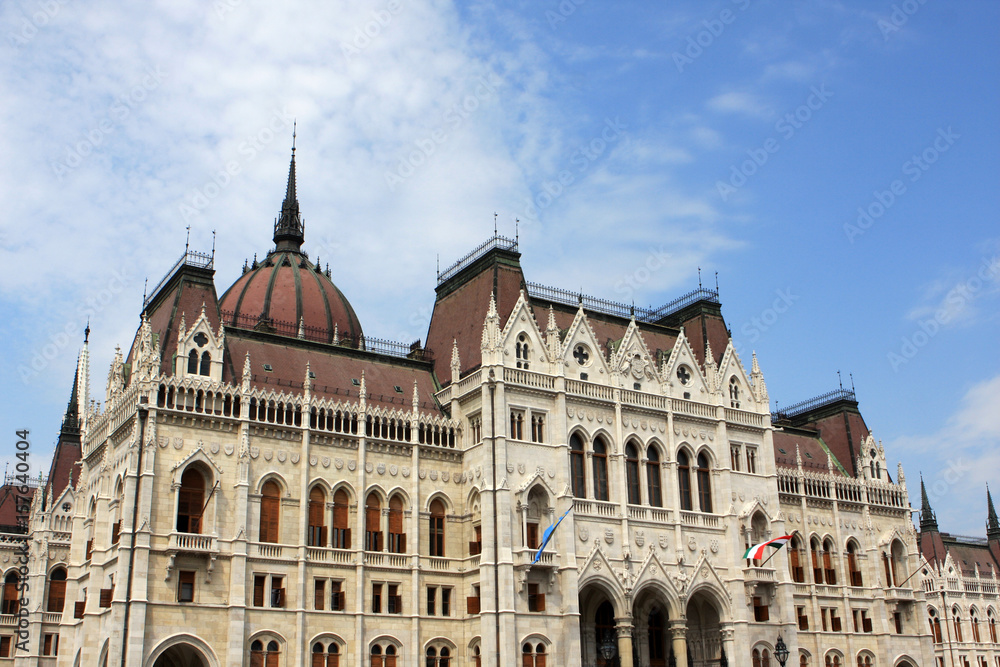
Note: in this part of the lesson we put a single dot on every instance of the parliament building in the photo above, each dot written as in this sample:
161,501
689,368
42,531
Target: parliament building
265,484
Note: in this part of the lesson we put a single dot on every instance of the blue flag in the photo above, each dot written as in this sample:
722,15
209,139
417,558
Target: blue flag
547,535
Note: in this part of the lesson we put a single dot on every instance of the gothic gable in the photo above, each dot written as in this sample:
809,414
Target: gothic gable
581,352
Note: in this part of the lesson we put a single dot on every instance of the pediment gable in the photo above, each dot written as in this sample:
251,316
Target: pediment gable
581,351
730,367
522,323
683,356
632,358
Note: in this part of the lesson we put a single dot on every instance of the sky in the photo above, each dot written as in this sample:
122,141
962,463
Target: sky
835,163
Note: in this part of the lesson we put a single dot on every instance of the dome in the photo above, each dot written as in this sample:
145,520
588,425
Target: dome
284,291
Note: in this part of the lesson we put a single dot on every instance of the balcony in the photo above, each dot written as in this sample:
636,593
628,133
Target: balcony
760,575
382,559
524,557
335,556
898,594
193,543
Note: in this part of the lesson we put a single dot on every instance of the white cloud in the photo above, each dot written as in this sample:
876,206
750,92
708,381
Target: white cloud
743,103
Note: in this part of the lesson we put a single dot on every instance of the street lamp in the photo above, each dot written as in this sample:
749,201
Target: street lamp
781,652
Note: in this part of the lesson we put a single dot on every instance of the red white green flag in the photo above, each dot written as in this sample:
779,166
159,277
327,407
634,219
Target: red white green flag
756,552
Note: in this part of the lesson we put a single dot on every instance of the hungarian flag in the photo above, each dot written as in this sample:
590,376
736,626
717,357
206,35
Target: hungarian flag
756,552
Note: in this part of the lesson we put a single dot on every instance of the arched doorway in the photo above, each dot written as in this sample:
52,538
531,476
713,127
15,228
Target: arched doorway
181,655
704,631
597,625
650,628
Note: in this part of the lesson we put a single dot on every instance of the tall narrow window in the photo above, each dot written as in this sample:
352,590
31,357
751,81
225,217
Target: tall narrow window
537,428
734,457
653,477
684,480
397,537
632,473
185,586
795,561
437,528
317,517
958,624
576,464
600,470
993,630
341,529
57,590
193,362
190,501
373,523
325,657
817,568
270,509
830,571
853,565
516,425
704,484
206,364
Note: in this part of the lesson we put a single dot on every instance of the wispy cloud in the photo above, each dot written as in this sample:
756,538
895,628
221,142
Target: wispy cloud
744,103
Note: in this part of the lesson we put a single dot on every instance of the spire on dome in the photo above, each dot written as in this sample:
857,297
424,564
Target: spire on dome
928,522
289,231
992,523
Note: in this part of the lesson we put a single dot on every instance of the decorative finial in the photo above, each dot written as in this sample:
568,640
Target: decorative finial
699,277
840,381
517,236
86,332
187,241
295,124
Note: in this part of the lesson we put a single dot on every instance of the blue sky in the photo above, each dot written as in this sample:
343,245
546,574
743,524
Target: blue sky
739,137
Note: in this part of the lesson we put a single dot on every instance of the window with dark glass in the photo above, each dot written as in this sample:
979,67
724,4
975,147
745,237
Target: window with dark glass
600,470
57,590
632,473
185,586
190,501
376,598
684,480
577,467
397,537
536,600
270,509
373,523
704,484
853,565
341,537
11,595
436,534
653,476
328,656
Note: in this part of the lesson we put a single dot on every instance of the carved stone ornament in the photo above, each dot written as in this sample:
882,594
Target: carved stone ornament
162,441
445,476
369,467
421,473
609,536
229,449
254,452
479,471
406,471
692,544
664,541
520,468
339,463
282,456
551,473
640,538
313,460
510,467
178,443
380,468
214,448
294,458
268,454
352,465
714,546
583,533
393,469
433,475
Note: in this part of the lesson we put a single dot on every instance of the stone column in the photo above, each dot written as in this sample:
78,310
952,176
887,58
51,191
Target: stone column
624,628
678,640
728,642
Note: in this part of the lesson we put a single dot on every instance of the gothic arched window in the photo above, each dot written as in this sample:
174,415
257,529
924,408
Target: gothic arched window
397,536
655,497
57,590
190,501
206,364
577,467
521,351
373,523
600,470
317,517
704,484
684,480
270,511
326,656
341,538
632,473
193,362
437,528
734,392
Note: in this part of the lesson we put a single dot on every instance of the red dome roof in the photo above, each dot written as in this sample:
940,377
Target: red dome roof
284,290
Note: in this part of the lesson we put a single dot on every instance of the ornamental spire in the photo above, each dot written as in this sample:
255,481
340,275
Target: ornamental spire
928,522
289,231
992,523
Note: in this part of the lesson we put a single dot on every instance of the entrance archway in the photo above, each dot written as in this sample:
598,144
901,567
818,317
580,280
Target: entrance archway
704,631
651,617
181,655
599,614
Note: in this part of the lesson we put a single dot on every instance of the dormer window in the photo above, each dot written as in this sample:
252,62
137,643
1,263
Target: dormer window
399,390
521,351
734,392
355,382
268,368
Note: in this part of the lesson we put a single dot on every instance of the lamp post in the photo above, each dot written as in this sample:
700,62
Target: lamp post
781,651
